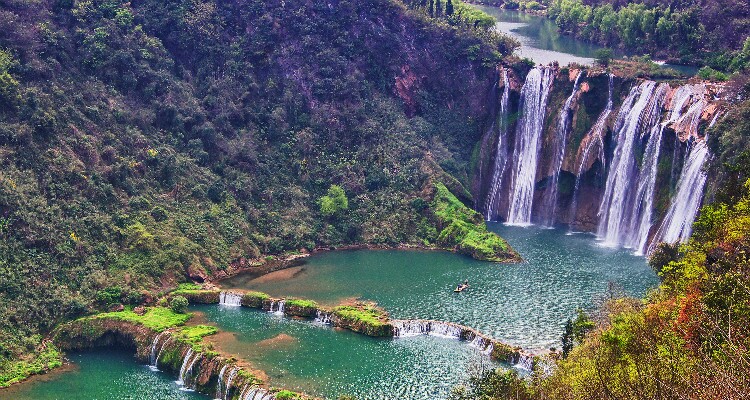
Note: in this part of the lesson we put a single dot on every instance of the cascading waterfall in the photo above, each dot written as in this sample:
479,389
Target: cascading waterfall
639,114
678,223
501,152
230,299
255,393
322,318
561,137
640,224
408,328
220,384
153,357
597,135
185,363
533,104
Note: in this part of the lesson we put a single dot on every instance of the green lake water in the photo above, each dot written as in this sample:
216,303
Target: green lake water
102,375
523,304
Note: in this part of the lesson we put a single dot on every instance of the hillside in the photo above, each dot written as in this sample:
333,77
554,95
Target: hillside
150,142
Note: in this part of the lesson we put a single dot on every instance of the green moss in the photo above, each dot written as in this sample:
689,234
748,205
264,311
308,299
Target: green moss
188,286
364,318
196,333
45,359
156,318
198,296
286,395
254,299
301,303
464,229
301,308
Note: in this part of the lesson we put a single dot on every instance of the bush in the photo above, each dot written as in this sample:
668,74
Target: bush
603,57
178,304
334,202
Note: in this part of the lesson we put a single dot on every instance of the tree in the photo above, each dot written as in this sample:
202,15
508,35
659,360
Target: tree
449,8
567,338
178,304
604,57
334,202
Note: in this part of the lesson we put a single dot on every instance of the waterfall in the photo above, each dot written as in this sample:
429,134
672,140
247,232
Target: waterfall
597,137
408,328
678,223
255,393
483,344
219,385
501,153
640,224
533,104
525,362
153,357
549,208
277,307
230,299
183,369
322,318
638,115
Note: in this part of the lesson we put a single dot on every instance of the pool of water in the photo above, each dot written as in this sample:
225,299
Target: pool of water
320,360
105,375
542,43
524,304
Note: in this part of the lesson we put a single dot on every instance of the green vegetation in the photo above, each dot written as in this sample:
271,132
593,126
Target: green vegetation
178,304
604,57
195,334
156,318
152,142
286,395
254,299
41,360
301,303
690,31
464,229
364,318
333,202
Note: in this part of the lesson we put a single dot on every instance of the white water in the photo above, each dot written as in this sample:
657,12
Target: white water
678,223
230,299
277,307
153,357
322,318
220,384
641,215
533,104
186,363
501,153
597,133
549,208
408,328
638,115
255,393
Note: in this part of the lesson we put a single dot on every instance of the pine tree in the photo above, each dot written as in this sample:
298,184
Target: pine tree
567,338
438,8
431,8
449,8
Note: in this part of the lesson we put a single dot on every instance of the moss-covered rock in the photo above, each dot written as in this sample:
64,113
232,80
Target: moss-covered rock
301,308
255,299
363,318
198,296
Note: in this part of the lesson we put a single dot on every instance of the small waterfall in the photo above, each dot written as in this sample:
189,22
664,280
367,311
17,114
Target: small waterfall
678,223
483,344
277,307
183,369
408,328
638,115
529,129
549,207
501,153
255,393
187,368
153,357
525,362
230,299
597,138
322,318
220,384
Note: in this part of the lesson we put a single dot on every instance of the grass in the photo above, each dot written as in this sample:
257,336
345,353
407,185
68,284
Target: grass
194,334
286,395
465,230
365,313
18,370
156,318
189,286
301,303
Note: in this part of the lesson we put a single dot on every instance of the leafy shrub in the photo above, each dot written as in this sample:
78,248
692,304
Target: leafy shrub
178,304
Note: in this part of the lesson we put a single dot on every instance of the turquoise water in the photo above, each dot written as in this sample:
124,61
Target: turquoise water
102,375
522,304
320,360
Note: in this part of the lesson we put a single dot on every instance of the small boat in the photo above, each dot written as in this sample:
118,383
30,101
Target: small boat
460,288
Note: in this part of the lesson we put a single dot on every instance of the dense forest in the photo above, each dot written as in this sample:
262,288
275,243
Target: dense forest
145,143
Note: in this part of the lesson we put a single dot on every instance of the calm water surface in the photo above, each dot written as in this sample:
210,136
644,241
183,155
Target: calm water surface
523,304
542,43
102,375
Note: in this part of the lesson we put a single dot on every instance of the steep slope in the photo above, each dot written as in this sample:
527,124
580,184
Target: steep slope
148,141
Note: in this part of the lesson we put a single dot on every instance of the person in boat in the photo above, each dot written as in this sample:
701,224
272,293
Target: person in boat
462,286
